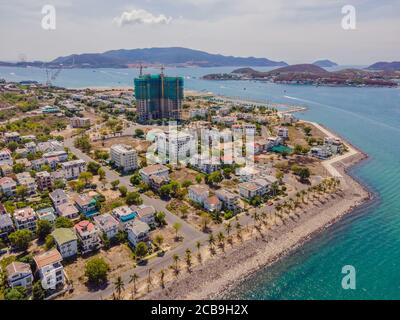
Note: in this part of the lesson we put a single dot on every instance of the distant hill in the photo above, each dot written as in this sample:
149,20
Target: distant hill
385,66
325,63
173,56
299,68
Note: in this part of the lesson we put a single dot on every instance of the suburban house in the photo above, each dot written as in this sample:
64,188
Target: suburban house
6,225
229,199
124,214
12,137
25,219
88,236
205,164
50,269
321,152
61,155
86,204
8,186
124,157
212,204
256,187
43,180
153,170
73,168
19,274
68,210
107,224
138,231
282,132
58,197
46,214
146,214
6,170
25,179
77,122
247,173
38,164
6,157
66,241
198,193
31,147
156,182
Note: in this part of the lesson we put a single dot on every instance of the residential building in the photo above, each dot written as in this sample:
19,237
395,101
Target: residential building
25,179
58,197
25,219
282,132
77,122
6,170
38,164
229,199
51,145
60,155
66,241
25,162
6,225
158,97
31,147
156,182
153,170
124,214
173,146
124,157
46,214
247,173
138,231
6,157
43,180
21,152
50,269
12,137
68,210
198,193
321,152
8,186
146,214
212,204
256,187
19,274
86,204
88,235
198,113
107,224
205,164
73,168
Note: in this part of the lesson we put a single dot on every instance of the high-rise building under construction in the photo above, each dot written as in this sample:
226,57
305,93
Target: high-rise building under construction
158,97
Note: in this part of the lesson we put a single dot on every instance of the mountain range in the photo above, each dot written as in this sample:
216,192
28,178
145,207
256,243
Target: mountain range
171,56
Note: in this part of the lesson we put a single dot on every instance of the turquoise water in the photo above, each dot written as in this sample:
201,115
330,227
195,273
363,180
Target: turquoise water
368,239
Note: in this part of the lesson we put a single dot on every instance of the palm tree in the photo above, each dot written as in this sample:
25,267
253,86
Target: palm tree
211,240
134,277
228,228
162,275
221,239
149,280
188,256
176,265
119,287
198,245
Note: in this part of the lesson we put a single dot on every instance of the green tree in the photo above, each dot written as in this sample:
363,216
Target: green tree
93,167
22,191
18,168
86,177
114,184
135,179
123,190
139,133
38,292
20,239
96,270
133,198
43,228
199,178
102,174
17,293
63,222
141,250
177,226
160,218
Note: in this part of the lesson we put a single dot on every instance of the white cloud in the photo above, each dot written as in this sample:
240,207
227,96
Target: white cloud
140,16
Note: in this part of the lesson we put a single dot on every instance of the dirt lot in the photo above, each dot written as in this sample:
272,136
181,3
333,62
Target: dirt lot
119,258
139,145
183,174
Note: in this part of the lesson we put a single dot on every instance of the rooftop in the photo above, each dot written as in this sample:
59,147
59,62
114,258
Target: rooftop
18,267
63,235
47,258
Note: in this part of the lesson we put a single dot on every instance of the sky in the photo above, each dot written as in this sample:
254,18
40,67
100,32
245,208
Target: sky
295,31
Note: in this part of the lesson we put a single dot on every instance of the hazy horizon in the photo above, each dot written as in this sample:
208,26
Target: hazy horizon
297,31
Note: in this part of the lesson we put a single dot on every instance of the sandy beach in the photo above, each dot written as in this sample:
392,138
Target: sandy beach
216,276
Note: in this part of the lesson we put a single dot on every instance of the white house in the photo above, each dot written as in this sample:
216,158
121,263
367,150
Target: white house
107,224
153,170
19,274
138,231
25,219
198,193
124,157
8,186
88,235
66,241
25,179
145,214
50,269
73,168
174,146
6,157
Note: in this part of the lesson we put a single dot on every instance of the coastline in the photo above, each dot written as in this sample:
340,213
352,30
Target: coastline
258,252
